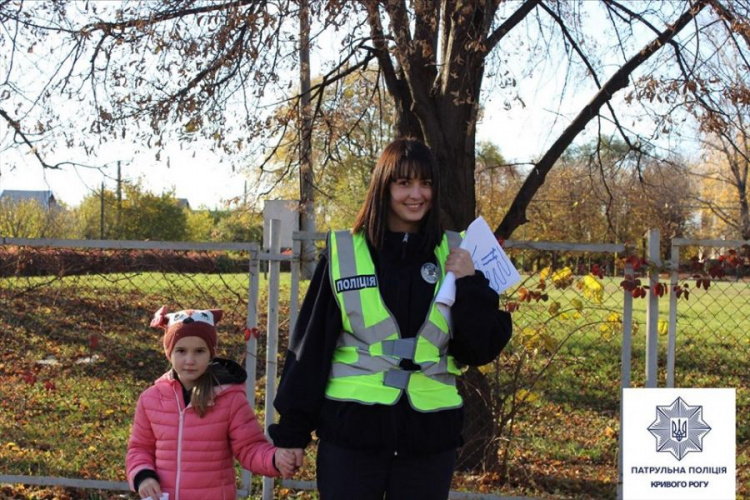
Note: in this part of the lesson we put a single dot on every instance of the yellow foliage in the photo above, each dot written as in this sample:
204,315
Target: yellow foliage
592,288
614,317
526,395
544,273
577,305
563,278
663,327
534,339
486,369
611,326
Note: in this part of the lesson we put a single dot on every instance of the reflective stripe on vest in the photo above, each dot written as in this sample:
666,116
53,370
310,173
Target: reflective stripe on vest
366,360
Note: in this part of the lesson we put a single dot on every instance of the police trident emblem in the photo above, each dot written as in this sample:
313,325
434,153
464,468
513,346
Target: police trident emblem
679,428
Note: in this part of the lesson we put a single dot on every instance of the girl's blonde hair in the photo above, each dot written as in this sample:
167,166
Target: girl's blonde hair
202,394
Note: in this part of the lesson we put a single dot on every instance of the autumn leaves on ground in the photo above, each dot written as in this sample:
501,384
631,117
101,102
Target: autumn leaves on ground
72,368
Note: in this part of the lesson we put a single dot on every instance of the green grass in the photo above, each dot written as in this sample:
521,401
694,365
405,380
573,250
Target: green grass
73,420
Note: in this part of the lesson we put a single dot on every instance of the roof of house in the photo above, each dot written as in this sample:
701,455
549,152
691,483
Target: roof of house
45,198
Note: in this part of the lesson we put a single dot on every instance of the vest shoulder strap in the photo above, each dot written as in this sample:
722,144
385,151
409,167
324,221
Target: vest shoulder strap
454,239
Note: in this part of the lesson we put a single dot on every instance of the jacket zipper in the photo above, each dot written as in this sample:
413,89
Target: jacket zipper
179,447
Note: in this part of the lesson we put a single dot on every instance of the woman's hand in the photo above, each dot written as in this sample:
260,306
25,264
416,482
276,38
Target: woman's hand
149,488
459,261
288,461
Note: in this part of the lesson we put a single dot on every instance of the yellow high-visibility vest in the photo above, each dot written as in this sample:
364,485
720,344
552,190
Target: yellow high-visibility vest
366,360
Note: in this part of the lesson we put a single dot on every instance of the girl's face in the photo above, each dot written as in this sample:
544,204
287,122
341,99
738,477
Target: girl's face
411,199
190,359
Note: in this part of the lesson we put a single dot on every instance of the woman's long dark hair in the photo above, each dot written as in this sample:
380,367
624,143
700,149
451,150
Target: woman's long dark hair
402,158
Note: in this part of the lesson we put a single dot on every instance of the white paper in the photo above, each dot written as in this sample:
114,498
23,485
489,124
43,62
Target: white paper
164,496
488,256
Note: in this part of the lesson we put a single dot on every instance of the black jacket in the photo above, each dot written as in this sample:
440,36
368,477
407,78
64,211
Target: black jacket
480,331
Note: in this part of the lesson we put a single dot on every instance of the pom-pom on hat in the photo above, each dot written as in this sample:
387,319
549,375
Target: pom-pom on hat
188,323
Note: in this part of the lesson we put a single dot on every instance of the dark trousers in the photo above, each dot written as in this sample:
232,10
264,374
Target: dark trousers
360,475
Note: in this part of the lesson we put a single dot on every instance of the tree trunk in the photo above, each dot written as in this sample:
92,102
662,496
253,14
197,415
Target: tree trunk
744,218
480,449
456,165
307,187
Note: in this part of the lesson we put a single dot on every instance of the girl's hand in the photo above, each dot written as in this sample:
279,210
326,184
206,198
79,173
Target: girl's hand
459,261
150,488
288,461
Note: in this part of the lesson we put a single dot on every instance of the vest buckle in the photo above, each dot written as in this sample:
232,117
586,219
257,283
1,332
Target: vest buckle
396,378
400,348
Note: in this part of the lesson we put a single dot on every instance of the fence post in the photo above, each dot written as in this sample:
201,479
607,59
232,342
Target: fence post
625,359
652,310
251,347
671,342
296,264
272,336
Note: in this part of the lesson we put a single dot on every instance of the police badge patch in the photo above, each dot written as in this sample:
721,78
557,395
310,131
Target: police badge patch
679,428
430,273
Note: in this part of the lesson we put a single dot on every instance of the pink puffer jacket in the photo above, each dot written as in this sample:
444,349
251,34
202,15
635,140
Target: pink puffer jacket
193,456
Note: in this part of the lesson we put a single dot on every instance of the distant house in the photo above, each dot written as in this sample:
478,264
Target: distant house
45,199
183,203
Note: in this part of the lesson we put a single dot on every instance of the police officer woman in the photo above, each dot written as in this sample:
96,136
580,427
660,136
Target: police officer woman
372,364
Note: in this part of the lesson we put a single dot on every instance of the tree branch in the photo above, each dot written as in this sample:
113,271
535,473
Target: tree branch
577,49
741,26
140,23
516,215
16,126
494,38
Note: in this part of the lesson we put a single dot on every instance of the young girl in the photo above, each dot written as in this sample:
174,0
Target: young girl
191,423
372,363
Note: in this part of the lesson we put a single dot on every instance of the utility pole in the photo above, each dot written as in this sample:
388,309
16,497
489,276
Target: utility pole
101,213
119,200
306,189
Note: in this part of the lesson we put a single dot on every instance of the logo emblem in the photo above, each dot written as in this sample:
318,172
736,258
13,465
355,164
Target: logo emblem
679,428
430,273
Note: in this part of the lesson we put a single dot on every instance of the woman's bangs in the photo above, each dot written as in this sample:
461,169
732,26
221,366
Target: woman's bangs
410,168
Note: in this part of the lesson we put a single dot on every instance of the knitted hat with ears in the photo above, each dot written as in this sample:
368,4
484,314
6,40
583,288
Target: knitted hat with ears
188,323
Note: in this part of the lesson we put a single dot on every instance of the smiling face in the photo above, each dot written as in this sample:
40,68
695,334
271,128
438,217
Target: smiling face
190,359
410,201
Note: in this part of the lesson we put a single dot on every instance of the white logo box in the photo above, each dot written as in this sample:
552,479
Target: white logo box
679,444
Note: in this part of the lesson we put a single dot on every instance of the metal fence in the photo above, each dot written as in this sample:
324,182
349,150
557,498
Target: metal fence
718,311
571,353
709,330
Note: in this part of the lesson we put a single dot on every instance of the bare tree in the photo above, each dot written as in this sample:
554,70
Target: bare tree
724,174
725,123
167,69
